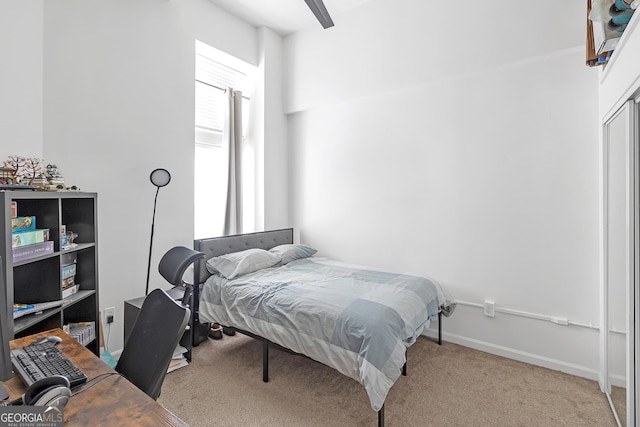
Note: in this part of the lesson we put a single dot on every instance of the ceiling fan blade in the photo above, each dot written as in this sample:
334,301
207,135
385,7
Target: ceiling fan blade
320,11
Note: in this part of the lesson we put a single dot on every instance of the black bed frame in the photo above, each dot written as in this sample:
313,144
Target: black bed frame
217,246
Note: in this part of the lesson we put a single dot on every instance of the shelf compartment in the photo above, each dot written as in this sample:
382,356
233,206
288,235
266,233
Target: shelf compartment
78,216
48,319
78,296
86,269
37,282
47,213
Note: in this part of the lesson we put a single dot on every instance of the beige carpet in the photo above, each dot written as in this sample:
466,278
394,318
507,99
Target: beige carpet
447,385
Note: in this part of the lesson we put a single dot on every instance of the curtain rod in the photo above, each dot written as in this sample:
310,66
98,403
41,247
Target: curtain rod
220,88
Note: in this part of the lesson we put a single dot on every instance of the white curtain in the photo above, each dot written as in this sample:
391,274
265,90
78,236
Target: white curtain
232,137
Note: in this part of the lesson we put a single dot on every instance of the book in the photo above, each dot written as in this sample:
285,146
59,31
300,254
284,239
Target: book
177,364
68,271
22,253
37,308
70,258
66,293
24,238
23,223
179,352
68,282
178,360
21,307
83,332
604,39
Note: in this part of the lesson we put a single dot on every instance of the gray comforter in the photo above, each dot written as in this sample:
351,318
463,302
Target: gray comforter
358,321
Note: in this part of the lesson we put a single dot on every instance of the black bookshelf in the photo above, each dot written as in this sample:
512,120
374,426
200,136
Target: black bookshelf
38,279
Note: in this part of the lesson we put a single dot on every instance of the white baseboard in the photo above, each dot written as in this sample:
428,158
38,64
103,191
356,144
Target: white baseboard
510,353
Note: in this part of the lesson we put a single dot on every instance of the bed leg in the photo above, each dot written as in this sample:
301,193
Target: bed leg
404,369
440,328
265,361
381,417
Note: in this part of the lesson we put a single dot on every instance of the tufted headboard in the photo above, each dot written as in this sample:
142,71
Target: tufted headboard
216,246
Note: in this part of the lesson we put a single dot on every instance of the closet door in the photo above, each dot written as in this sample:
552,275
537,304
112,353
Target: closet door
620,260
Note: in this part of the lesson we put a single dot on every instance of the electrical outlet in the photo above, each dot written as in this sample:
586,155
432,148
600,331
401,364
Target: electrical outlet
109,314
489,308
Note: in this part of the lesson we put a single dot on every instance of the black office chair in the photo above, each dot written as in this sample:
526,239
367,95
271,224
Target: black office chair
155,335
158,328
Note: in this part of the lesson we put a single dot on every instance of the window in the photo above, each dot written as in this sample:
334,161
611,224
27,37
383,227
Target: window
215,71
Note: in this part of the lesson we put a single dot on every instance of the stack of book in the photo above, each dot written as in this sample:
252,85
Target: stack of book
83,332
178,360
68,275
27,241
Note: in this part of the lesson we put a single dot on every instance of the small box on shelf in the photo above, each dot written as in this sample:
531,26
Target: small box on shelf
67,292
66,238
22,253
25,238
23,223
70,258
68,282
68,271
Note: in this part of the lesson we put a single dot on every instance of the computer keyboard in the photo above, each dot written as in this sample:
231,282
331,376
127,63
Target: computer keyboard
37,361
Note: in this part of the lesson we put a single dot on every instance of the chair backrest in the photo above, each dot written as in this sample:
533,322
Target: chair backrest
155,335
174,263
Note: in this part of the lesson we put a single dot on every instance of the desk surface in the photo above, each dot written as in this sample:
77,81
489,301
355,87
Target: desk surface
108,401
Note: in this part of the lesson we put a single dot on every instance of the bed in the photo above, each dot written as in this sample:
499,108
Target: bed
359,321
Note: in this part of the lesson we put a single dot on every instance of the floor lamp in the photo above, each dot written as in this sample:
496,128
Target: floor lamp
160,178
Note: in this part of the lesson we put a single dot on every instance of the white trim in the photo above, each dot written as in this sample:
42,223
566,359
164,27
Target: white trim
521,356
633,344
562,321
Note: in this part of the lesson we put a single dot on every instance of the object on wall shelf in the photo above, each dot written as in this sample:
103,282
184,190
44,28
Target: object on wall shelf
600,40
621,12
606,21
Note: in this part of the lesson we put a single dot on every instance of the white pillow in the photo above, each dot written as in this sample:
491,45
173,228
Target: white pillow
238,263
292,252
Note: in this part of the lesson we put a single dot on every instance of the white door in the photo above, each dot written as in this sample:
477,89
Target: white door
620,261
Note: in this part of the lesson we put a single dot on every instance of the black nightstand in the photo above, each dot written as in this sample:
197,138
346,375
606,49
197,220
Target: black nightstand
132,308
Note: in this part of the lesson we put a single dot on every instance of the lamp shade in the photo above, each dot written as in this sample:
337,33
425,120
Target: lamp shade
160,177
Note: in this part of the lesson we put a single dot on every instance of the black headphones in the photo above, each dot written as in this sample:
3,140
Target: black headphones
50,391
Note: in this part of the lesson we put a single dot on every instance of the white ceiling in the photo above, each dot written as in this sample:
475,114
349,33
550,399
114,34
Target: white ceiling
284,16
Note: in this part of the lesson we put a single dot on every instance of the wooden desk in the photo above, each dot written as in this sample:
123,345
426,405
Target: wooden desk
109,401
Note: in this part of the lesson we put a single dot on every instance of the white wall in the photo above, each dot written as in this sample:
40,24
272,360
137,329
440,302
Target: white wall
118,103
458,143
272,175
21,78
